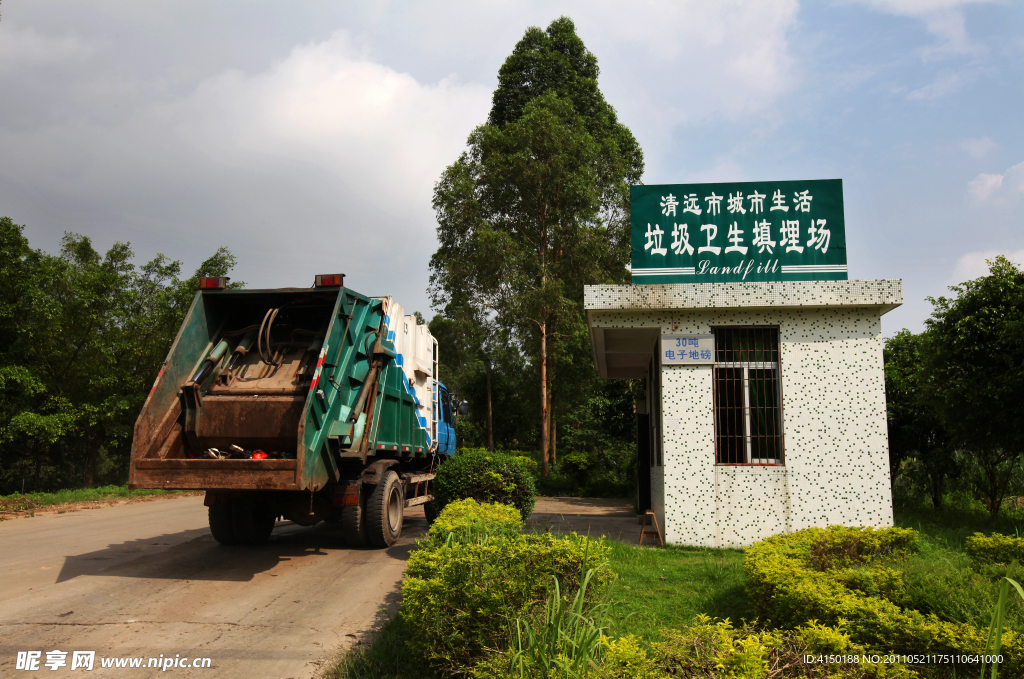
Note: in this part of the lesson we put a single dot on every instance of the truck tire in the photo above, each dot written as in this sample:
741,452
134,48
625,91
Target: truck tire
251,522
430,511
384,510
353,524
220,524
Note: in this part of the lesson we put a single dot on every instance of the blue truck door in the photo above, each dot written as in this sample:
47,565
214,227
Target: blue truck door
445,431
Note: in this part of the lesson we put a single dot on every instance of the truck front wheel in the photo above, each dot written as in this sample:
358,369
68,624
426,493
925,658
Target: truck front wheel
384,510
430,511
353,523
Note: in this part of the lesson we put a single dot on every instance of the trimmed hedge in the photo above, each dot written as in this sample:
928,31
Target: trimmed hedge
994,548
468,521
485,477
463,594
805,575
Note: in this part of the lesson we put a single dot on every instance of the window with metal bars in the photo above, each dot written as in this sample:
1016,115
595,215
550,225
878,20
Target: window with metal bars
748,396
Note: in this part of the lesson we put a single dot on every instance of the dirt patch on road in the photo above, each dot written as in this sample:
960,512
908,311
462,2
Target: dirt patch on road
66,507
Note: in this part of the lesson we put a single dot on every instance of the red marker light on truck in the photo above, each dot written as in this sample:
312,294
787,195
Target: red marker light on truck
213,282
327,280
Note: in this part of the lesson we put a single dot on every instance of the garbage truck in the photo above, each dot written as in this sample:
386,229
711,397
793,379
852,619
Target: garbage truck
307,404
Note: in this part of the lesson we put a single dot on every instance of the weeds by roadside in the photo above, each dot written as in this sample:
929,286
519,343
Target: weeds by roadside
387,656
17,502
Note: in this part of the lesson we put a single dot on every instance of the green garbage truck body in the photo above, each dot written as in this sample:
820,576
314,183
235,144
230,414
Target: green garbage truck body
304,403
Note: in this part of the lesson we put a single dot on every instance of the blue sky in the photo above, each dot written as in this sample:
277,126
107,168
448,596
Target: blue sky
307,136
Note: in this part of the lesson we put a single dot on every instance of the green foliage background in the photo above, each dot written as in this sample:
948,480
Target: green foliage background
955,396
82,337
485,476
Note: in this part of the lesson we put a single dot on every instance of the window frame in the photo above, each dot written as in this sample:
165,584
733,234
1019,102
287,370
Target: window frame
746,408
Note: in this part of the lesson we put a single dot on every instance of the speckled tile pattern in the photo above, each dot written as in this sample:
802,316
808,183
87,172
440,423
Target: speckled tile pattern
887,292
658,497
836,467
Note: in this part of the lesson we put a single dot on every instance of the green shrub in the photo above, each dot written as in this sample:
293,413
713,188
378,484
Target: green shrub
843,546
486,477
531,464
557,484
787,585
879,581
608,471
463,598
994,548
469,521
950,588
626,658
714,648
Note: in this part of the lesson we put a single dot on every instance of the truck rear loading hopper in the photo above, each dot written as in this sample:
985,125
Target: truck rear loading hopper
304,403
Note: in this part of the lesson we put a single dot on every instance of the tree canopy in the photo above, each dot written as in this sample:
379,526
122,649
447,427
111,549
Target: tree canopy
537,207
976,360
956,391
83,335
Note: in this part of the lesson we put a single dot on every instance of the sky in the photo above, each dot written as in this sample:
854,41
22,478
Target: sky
307,136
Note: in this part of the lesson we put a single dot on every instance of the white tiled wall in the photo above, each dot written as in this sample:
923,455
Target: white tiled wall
836,449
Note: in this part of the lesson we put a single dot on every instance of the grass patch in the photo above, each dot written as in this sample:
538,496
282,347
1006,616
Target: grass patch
387,656
17,502
667,587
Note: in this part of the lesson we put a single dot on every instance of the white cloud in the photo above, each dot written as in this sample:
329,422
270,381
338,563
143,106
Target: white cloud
997,188
943,86
978,147
21,47
943,18
374,129
325,161
701,59
984,185
973,264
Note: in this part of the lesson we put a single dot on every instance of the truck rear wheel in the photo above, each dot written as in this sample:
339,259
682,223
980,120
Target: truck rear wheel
353,524
384,511
251,522
220,524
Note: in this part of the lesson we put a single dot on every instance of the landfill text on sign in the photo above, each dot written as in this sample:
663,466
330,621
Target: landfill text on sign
738,232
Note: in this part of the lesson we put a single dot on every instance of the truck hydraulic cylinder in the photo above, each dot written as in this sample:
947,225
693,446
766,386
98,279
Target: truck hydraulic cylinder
211,361
242,349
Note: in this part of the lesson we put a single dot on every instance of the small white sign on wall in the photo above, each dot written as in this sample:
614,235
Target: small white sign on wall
687,349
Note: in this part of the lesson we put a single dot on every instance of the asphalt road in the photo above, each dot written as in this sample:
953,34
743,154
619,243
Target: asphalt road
147,579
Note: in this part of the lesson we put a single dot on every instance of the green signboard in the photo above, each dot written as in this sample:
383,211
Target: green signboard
743,231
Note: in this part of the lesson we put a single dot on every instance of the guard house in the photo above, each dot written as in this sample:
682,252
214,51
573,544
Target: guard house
764,408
